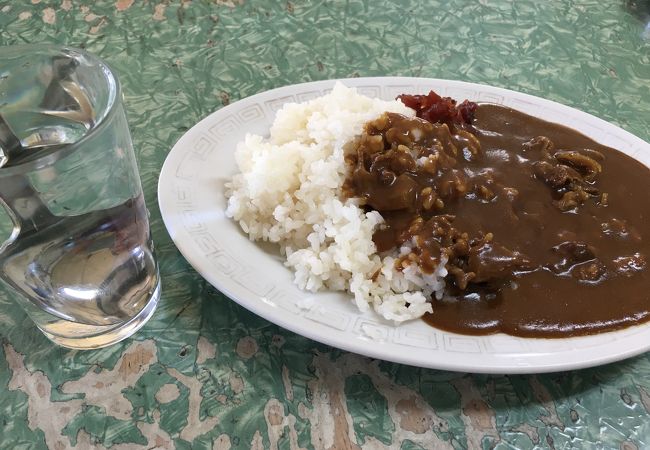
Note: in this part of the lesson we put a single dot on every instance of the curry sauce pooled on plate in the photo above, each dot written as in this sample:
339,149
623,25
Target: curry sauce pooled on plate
541,229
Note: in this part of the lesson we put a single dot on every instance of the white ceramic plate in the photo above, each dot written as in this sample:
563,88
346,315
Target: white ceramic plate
192,202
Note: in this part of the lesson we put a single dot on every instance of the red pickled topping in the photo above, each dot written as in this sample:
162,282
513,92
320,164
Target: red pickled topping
435,108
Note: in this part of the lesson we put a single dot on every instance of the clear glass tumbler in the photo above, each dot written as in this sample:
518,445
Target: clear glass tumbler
80,256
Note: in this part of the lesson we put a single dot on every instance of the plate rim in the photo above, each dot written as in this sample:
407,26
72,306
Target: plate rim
264,310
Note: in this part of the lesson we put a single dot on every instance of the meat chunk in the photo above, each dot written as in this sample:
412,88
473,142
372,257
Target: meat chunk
591,272
630,265
586,165
556,176
572,253
491,261
569,173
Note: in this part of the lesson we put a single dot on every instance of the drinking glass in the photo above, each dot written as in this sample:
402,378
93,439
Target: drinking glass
80,258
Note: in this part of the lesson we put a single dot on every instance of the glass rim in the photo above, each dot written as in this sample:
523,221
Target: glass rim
109,109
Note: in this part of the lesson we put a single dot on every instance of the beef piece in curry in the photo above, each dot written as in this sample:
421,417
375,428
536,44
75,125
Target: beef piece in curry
540,228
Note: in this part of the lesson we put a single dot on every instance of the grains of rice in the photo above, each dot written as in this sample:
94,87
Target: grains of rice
288,191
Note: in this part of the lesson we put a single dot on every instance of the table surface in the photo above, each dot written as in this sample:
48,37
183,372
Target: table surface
205,373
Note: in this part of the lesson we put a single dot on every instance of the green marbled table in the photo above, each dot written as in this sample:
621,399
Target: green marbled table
207,374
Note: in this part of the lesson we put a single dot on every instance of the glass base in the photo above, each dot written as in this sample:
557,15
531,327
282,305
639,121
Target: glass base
105,338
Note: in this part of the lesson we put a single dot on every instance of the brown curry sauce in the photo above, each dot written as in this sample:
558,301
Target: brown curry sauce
544,229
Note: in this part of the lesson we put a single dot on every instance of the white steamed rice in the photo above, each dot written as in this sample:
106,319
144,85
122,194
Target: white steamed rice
288,191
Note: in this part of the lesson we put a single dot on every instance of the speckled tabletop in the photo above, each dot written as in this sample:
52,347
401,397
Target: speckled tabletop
206,374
